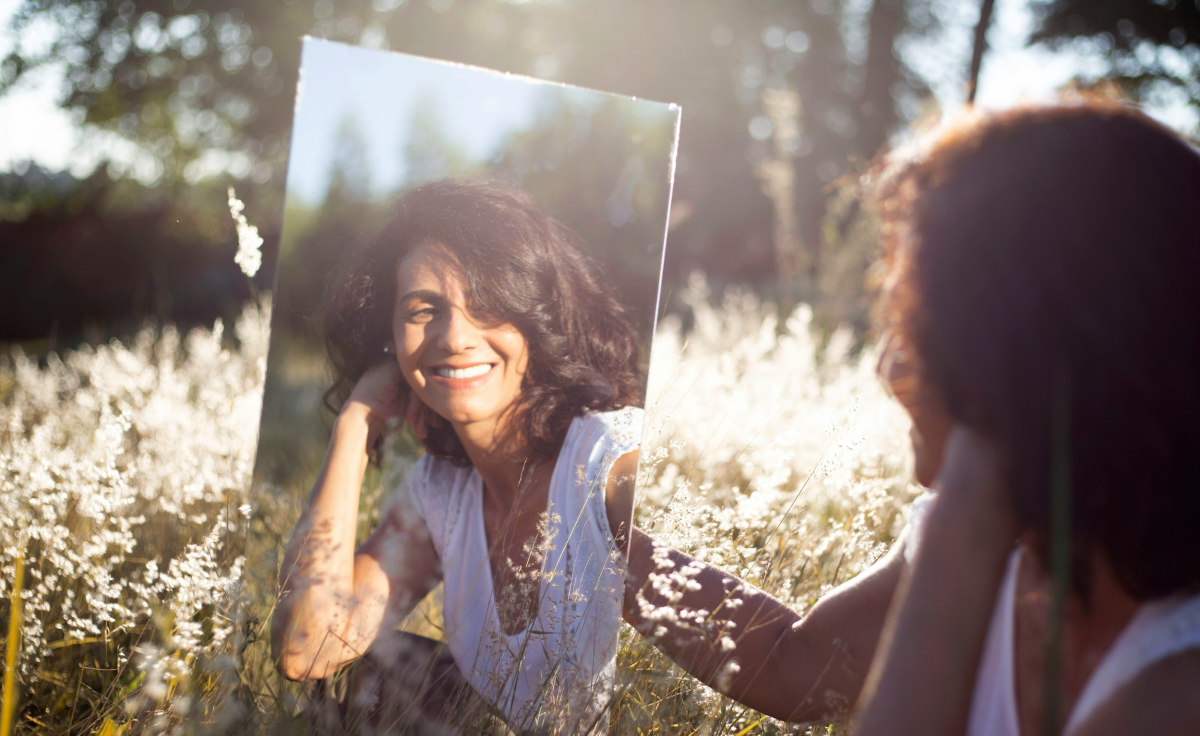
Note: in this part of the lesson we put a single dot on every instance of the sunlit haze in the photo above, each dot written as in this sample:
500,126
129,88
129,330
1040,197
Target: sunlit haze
36,130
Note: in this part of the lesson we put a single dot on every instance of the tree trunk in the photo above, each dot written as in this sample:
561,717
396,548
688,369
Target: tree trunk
980,46
877,109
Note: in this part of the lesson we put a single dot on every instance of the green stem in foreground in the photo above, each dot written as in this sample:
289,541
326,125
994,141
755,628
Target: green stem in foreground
1060,553
13,649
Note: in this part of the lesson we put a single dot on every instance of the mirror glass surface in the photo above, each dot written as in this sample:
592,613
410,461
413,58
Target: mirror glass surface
507,236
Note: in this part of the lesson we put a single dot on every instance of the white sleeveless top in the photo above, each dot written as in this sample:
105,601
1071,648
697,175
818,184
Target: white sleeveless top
563,663
1161,628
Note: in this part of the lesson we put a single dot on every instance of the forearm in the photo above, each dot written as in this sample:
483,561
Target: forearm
318,601
755,648
926,677
700,615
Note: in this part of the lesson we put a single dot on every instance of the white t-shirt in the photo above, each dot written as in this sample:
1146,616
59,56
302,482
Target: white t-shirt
562,665
1160,629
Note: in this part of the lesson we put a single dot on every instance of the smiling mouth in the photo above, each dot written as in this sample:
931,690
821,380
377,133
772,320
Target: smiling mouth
459,374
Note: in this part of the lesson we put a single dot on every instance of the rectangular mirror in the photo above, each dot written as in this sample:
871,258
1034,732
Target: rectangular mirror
467,291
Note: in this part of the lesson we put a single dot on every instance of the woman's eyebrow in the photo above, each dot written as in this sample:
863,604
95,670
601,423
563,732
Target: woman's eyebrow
424,295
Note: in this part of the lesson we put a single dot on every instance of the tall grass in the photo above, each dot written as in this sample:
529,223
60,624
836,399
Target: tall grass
771,455
124,471
124,476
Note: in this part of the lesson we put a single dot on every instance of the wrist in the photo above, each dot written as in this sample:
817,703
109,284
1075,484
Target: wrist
969,527
356,418
972,472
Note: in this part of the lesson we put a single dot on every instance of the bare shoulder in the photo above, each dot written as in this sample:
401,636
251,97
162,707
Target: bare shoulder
401,542
619,496
1161,700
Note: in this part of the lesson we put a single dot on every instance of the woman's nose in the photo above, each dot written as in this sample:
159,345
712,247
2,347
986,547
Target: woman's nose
459,333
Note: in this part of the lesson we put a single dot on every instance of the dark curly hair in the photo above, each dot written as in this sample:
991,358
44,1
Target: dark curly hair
520,266
1059,245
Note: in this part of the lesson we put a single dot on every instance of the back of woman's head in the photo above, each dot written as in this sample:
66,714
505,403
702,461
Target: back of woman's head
1052,254
519,265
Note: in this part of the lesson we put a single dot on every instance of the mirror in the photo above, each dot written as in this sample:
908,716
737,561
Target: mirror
468,285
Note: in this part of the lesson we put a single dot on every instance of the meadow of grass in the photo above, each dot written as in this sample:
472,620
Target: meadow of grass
124,477
124,488
771,453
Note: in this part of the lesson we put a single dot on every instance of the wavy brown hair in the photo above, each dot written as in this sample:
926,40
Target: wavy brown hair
520,266
1052,253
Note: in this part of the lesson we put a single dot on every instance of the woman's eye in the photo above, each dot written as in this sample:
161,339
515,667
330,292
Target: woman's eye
422,315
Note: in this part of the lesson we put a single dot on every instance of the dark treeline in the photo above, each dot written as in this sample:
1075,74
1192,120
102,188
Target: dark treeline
197,81
84,259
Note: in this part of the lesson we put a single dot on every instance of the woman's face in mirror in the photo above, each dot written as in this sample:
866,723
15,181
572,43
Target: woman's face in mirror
465,368
931,424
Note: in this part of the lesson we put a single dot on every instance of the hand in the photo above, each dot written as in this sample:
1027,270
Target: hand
377,397
971,480
970,464
924,677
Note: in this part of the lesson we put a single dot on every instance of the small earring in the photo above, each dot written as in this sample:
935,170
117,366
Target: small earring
387,349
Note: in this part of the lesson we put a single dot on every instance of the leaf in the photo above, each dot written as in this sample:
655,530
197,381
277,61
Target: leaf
749,728
74,642
110,728
133,684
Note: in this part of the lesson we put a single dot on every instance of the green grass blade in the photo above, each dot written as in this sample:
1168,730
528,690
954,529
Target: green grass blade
12,650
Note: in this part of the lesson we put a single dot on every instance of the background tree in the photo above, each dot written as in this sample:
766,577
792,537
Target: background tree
204,88
426,153
1152,46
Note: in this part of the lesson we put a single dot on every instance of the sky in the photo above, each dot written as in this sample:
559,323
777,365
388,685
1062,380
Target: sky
477,108
1012,72
33,128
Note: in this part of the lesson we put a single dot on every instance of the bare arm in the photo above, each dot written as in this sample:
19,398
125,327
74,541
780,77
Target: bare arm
926,671
618,498
804,670
333,600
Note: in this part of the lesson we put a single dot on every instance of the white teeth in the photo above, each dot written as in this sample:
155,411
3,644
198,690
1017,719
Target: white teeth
472,372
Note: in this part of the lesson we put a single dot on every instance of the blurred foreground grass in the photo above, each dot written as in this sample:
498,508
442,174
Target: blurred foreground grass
124,481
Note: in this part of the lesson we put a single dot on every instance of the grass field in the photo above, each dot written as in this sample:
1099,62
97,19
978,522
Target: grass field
124,491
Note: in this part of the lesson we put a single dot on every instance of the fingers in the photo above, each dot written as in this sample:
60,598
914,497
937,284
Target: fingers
415,414
378,390
412,409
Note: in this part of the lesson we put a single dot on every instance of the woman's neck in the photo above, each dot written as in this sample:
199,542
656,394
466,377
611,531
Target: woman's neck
1109,607
502,461
1091,628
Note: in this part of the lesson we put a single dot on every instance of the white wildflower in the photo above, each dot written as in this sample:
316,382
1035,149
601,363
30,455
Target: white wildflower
249,253
725,676
769,453
117,463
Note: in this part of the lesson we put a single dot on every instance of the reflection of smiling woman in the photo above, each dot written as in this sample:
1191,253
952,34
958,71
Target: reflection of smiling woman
519,374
